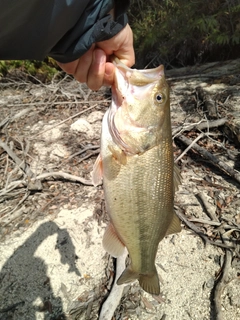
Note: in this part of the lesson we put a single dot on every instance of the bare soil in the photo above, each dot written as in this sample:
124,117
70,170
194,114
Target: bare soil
52,264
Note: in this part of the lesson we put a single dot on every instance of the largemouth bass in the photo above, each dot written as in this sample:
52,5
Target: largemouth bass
139,176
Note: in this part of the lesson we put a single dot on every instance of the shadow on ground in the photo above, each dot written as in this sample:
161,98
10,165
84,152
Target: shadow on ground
22,295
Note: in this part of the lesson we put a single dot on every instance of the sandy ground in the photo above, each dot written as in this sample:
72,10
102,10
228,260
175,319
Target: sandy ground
52,264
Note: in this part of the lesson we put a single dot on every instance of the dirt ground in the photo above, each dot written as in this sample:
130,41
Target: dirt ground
52,219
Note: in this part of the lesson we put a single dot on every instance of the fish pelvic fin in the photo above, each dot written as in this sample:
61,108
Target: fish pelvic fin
175,225
111,242
149,282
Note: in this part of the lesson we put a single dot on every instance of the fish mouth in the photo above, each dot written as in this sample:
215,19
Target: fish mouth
120,89
130,85
117,101
134,82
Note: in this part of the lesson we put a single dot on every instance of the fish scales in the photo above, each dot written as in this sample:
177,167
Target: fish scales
136,210
136,162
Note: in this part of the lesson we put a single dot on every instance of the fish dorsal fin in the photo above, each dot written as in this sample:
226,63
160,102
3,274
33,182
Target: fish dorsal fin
97,173
111,242
176,177
175,225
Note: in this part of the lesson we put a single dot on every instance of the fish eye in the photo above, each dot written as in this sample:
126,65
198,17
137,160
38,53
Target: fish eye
159,97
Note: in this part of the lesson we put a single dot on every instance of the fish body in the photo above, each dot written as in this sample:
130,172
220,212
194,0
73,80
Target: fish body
136,163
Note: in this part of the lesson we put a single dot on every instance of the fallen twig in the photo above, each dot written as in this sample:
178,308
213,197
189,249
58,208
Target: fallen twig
215,224
52,104
211,184
88,156
201,125
20,202
189,147
5,121
195,229
20,163
203,152
82,151
221,283
208,207
13,216
11,186
113,300
64,175
211,124
12,307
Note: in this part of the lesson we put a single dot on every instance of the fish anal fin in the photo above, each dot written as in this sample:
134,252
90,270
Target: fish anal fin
150,282
111,242
175,225
118,154
97,171
127,276
176,177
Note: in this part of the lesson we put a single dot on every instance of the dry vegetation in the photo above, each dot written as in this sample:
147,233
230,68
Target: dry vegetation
45,166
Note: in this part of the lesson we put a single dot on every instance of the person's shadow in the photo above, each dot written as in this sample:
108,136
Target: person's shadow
25,287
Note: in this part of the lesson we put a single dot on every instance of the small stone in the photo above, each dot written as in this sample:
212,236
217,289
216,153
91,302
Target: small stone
234,301
210,283
95,116
82,125
217,259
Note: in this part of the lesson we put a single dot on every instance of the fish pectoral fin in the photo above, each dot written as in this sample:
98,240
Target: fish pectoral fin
175,225
118,154
111,242
150,282
97,171
127,276
176,177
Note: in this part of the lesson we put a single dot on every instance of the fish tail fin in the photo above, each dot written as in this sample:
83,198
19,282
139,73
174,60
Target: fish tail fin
127,276
150,283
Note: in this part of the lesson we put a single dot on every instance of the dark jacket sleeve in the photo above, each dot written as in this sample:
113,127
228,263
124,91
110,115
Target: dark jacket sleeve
62,29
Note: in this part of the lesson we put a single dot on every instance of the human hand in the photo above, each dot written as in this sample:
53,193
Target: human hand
95,67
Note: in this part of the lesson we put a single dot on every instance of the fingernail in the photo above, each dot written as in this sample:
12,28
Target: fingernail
99,56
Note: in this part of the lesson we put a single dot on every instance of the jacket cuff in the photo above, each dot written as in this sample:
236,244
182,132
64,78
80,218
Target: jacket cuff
73,45
106,28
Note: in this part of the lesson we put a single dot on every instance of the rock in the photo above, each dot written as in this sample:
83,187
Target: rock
210,283
95,116
59,150
82,125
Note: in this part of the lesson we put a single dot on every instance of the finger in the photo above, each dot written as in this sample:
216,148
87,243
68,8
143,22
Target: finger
125,53
69,67
84,64
121,45
109,74
96,71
